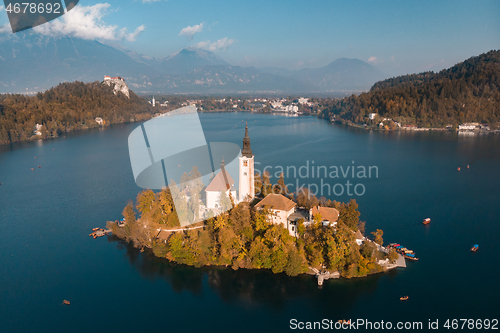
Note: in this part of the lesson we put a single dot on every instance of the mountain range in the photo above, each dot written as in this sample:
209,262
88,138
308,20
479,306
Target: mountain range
30,62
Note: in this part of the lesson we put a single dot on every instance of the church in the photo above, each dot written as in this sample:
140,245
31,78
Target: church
223,182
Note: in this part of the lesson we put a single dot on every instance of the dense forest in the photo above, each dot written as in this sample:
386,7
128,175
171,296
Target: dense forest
243,238
65,108
466,92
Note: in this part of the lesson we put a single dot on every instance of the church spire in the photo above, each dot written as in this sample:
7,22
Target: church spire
246,151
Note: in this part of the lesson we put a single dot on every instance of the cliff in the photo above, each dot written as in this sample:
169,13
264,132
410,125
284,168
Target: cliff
118,84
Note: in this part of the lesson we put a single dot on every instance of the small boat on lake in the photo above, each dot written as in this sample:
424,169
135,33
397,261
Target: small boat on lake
474,248
410,256
66,302
404,298
406,253
458,169
99,232
427,221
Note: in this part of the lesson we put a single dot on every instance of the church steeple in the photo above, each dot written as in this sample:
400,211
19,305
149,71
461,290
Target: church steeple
246,186
246,151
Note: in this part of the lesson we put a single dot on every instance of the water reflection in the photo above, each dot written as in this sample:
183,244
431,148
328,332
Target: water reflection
252,287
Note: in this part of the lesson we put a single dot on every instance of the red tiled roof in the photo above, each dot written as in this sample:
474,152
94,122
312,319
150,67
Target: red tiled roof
327,213
277,202
219,184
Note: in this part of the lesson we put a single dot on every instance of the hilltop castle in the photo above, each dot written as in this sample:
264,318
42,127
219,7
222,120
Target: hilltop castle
118,84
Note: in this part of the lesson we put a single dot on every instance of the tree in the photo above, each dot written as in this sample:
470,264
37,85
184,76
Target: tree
367,249
128,213
306,199
224,201
145,201
301,229
258,184
392,255
378,236
220,222
349,214
266,184
280,187
166,202
259,254
317,219
4,136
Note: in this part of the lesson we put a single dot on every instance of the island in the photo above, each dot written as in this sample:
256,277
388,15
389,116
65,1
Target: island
260,226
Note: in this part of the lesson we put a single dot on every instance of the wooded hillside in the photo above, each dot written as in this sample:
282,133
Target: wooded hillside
466,92
65,108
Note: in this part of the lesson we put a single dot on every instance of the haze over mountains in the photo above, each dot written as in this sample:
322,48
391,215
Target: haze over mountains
30,62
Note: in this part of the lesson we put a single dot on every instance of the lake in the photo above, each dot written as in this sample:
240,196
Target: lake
86,179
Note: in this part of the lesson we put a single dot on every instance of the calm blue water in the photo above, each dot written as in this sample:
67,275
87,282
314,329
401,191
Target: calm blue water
86,179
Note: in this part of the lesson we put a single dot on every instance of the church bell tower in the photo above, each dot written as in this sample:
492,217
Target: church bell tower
246,189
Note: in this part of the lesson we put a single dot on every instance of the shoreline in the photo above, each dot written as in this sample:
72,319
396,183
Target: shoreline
36,138
414,129
320,276
245,237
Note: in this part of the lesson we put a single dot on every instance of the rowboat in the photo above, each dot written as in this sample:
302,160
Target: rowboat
410,256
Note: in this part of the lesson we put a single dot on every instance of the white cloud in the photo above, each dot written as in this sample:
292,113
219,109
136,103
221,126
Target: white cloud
372,60
133,36
86,22
5,28
219,45
189,32
149,1
2,8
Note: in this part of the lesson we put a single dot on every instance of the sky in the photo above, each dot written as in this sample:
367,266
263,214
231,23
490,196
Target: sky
397,37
